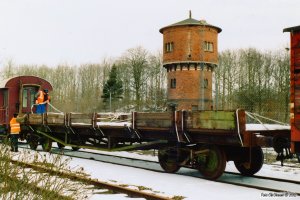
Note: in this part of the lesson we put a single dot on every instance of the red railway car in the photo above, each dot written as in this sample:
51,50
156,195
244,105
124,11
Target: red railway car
17,95
295,87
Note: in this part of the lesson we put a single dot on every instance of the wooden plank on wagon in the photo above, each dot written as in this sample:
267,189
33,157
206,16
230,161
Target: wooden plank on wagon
55,118
81,115
158,115
35,118
213,120
81,119
153,120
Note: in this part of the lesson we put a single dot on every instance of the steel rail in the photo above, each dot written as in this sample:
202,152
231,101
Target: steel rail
268,178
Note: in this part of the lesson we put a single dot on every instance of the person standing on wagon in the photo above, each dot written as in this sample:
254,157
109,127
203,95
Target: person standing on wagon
42,99
46,99
14,132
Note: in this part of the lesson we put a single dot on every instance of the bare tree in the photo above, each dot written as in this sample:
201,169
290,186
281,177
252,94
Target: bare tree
156,84
8,70
65,88
255,81
246,78
136,62
90,86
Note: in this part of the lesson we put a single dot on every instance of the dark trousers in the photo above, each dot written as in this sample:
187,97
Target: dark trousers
14,142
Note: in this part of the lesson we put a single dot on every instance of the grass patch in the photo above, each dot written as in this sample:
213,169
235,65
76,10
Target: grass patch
21,183
178,197
124,185
140,188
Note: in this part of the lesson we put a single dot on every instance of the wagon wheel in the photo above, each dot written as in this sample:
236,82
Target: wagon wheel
5,139
32,141
75,148
33,144
77,142
252,166
46,144
60,146
168,159
211,164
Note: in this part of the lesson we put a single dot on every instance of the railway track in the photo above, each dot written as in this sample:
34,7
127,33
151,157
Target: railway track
92,182
256,182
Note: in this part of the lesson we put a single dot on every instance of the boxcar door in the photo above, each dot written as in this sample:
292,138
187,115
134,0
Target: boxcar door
28,98
4,118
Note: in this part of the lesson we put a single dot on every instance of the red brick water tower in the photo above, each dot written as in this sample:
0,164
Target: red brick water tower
190,55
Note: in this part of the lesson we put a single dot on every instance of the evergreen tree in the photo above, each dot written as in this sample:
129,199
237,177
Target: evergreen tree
113,88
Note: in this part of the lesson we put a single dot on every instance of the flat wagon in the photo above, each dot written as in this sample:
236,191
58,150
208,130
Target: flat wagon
204,140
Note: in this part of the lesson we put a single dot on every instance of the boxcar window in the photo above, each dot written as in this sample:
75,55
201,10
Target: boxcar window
5,98
28,96
25,97
32,96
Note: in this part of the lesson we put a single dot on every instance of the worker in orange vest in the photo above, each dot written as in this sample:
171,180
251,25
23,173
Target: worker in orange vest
14,132
42,99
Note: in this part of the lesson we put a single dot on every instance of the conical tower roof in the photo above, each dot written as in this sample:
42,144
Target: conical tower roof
191,22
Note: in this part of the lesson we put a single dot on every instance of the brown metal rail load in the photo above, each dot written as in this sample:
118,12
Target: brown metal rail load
204,140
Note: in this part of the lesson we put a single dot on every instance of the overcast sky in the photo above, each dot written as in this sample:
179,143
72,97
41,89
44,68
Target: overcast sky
83,31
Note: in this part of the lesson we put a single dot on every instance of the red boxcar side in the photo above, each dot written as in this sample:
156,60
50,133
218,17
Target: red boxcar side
295,87
17,95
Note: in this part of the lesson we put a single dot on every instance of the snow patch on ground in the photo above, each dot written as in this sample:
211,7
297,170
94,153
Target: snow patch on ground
175,184
170,185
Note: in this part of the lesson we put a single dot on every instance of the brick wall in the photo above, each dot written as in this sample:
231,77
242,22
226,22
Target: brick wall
189,90
188,41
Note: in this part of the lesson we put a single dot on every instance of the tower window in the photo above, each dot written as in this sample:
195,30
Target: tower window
173,83
169,46
205,83
208,46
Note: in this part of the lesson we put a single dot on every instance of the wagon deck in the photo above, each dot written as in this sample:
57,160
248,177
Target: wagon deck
107,130
78,129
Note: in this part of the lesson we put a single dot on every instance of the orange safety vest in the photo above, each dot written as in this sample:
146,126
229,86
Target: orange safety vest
40,98
14,126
